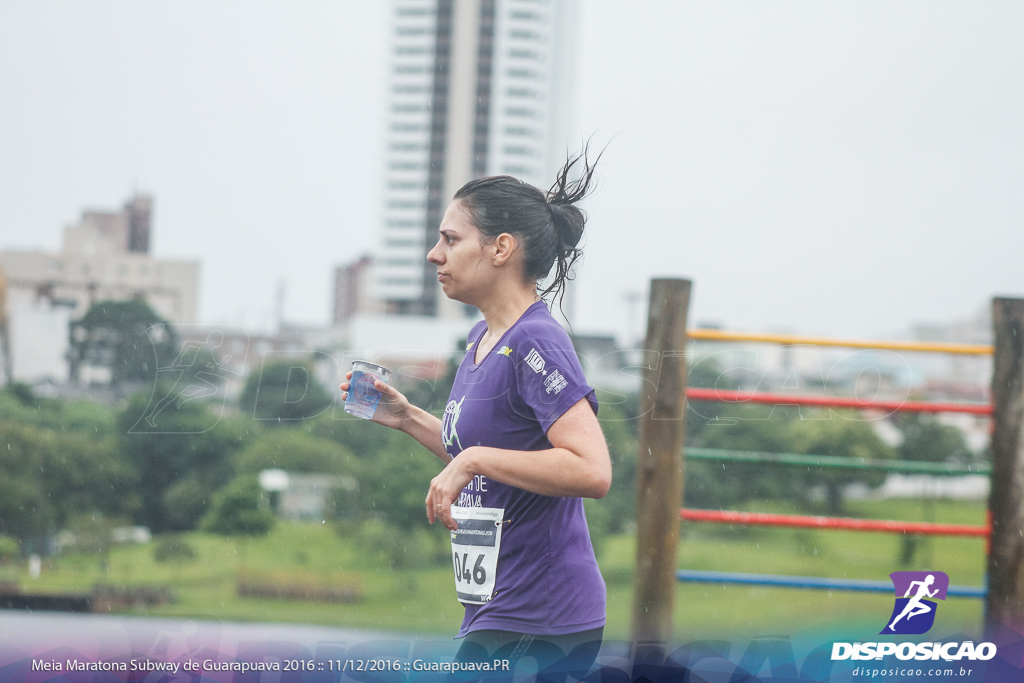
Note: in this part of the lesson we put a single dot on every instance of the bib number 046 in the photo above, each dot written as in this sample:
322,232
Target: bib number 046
475,547
462,571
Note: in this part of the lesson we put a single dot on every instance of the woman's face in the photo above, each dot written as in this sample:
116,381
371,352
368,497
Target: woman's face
461,257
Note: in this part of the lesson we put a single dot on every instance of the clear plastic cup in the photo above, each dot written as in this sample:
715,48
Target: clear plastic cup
363,397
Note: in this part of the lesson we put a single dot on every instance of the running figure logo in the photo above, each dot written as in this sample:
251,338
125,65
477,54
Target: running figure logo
449,435
914,613
199,373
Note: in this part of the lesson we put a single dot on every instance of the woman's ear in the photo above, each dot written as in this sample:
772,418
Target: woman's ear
504,246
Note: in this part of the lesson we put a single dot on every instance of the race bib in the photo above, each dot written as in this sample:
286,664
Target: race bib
475,547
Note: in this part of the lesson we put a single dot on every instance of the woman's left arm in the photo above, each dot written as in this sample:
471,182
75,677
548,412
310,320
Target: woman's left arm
578,465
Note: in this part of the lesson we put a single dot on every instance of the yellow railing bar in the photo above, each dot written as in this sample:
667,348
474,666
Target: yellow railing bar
791,339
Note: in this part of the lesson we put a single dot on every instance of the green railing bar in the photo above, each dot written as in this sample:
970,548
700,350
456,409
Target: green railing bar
835,461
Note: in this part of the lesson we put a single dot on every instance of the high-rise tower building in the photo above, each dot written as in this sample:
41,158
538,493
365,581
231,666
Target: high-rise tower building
477,87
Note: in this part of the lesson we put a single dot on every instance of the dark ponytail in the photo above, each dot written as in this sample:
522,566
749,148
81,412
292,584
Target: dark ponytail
549,226
569,219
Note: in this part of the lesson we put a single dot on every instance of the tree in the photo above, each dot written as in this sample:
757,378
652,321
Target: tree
844,437
181,466
362,438
10,549
432,395
295,450
284,391
195,374
47,476
59,460
174,549
18,404
22,393
239,510
394,473
26,511
744,427
85,474
393,482
925,439
127,337
614,512
706,373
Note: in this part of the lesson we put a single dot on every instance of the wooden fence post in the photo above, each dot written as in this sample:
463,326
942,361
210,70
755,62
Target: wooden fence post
659,467
1005,601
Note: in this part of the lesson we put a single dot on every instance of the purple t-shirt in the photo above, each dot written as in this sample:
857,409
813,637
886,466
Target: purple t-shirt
547,580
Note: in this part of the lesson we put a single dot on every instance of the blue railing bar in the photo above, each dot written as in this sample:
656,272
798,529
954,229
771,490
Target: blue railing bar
694,575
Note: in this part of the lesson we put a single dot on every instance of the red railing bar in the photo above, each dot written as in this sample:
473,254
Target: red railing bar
729,396
811,522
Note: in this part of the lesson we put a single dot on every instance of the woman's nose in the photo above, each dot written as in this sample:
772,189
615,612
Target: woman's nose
434,256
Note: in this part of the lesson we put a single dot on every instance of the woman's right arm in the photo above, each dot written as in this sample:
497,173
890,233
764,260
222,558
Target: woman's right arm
395,411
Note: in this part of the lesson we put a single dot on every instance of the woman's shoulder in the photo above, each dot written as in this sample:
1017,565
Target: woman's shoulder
538,326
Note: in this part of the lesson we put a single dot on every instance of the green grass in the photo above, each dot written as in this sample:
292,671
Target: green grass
405,600
729,611
421,600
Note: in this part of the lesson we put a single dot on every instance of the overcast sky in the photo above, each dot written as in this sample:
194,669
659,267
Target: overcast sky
843,168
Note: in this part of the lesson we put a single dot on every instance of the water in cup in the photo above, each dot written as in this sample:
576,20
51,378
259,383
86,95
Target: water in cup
363,397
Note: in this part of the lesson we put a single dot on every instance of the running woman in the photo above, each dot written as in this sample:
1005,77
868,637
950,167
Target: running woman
519,437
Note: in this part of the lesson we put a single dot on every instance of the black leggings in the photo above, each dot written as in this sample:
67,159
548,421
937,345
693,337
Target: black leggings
552,657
